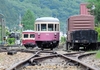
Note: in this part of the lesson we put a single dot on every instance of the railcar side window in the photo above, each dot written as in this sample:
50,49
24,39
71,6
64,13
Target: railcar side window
32,35
50,27
43,27
56,27
25,35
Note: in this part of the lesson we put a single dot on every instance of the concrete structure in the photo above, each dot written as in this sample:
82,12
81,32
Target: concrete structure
2,27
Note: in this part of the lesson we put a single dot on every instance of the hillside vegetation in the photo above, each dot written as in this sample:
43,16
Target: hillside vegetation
62,9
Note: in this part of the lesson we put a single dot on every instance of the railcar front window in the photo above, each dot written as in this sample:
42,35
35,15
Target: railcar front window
32,35
50,27
25,35
43,27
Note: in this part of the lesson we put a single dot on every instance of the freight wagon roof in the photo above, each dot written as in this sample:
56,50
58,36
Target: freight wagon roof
82,15
76,17
47,19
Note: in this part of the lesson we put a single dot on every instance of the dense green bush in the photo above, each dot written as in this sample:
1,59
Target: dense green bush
98,30
63,39
98,54
11,41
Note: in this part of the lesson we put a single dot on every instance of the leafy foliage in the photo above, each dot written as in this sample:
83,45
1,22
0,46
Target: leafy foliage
28,20
61,9
94,6
98,54
11,41
96,10
98,30
63,39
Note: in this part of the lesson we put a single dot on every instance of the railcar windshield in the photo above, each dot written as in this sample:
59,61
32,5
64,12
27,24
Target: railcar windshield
47,27
50,27
32,35
43,27
25,35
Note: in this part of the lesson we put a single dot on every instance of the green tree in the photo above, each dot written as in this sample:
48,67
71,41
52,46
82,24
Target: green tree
94,6
98,30
61,9
28,20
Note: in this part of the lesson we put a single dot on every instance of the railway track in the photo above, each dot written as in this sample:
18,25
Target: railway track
51,59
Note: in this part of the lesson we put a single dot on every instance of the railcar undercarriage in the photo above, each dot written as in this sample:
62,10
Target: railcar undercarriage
47,44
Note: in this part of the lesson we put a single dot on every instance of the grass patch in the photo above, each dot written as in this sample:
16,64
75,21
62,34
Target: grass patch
98,54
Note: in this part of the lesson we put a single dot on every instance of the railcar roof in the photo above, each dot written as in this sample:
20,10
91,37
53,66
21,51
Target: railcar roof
47,19
28,31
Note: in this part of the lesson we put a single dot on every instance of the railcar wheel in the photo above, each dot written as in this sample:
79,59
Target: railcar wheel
51,48
26,47
42,48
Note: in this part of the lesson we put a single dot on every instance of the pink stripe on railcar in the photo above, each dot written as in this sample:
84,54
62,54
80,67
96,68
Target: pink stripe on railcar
27,41
46,36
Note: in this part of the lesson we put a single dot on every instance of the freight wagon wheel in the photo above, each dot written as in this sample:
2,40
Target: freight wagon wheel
91,47
76,47
67,46
97,47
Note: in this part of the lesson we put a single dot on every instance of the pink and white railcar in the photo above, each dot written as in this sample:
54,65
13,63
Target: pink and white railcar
28,38
47,30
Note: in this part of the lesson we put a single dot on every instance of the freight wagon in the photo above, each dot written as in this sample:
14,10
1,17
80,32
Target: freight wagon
81,33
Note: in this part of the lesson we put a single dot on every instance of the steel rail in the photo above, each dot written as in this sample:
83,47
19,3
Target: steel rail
14,67
89,67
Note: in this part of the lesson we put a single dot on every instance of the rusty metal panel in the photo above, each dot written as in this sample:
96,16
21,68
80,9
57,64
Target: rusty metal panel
83,9
80,22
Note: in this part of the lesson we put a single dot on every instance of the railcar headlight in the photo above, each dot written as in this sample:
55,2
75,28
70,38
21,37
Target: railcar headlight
23,39
76,41
55,33
38,33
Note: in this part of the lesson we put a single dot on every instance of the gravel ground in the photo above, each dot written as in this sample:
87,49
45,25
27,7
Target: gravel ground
51,64
92,60
9,60
49,67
